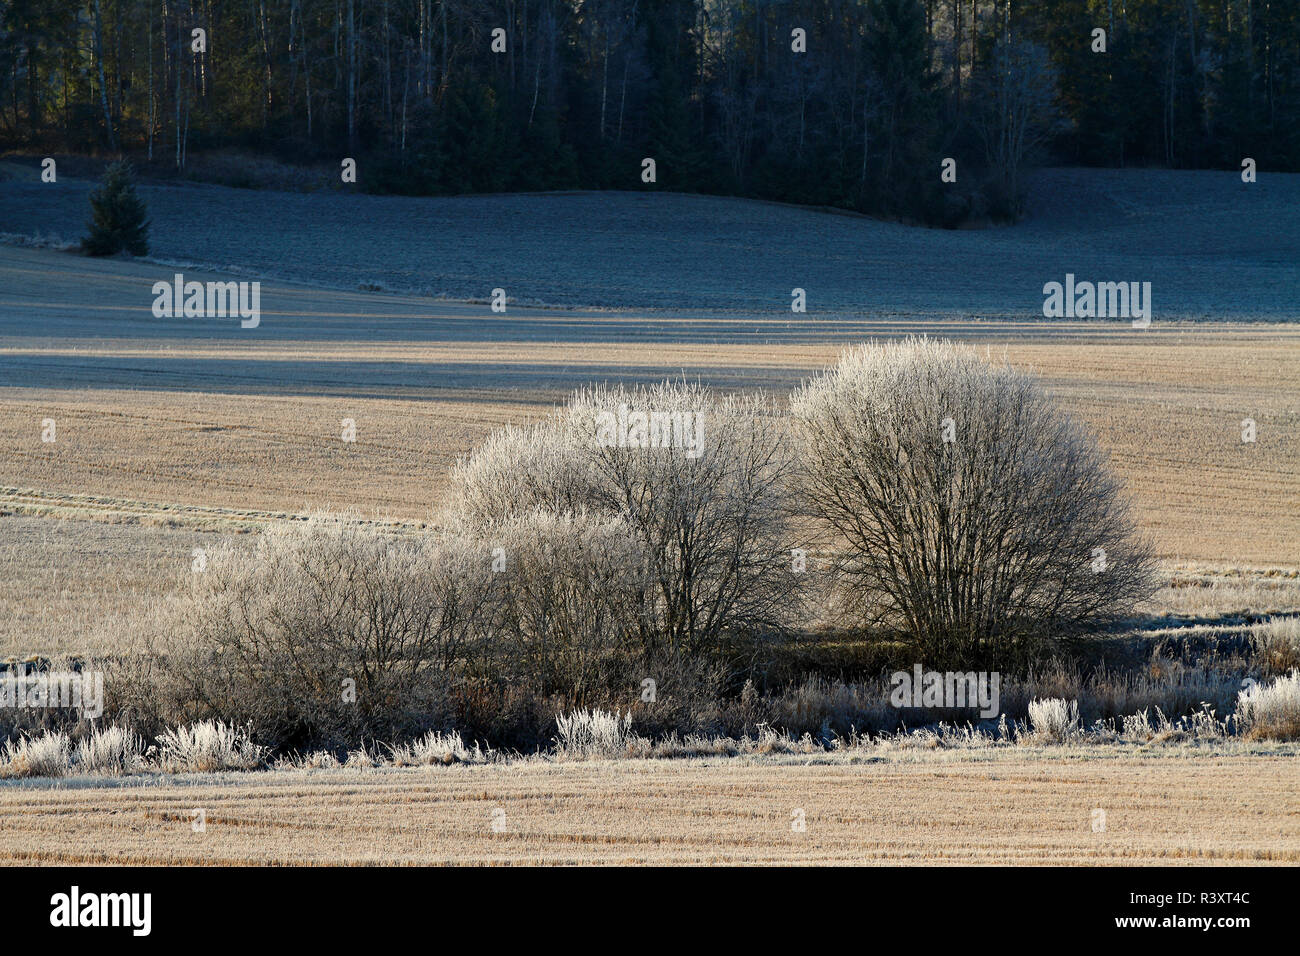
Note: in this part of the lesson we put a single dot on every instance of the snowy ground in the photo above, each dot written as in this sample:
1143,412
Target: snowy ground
1211,246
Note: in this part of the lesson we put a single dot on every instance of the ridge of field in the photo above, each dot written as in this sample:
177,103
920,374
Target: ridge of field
958,808
1211,246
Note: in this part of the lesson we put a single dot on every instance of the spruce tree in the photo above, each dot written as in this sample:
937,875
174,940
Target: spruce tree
117,216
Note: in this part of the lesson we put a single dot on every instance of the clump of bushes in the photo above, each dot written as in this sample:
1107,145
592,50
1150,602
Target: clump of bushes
331,630
31,756
114,750
651,566
710,523
208,746
568,602
1271,712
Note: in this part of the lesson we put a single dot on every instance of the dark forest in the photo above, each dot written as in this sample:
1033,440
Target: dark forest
848,103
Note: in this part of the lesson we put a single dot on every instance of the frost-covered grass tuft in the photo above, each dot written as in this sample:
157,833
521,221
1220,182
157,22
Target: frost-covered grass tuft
112,750
593,735
1054,720
208,746
45,756
361,757
1271,711
435,748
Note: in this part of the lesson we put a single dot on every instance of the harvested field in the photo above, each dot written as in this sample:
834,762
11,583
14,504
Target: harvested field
177,431
1011,807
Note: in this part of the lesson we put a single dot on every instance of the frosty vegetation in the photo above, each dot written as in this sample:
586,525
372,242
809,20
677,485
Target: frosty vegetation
212,746
964,509
918,502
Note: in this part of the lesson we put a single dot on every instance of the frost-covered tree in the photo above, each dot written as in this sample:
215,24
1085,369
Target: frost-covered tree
968,513
707,509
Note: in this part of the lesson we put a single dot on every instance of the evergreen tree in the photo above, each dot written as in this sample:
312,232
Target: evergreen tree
117,216
899,53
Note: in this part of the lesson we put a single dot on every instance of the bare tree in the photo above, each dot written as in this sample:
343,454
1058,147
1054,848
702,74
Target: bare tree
711,520
967,513
99,65
566,605
1014,112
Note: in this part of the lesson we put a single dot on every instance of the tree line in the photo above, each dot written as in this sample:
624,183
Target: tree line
851,103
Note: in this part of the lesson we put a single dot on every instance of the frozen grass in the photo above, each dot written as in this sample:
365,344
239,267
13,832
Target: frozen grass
593,735
1165,704
208,746
39,241
112,750
362,758
1268,713
1054,720
1277,644
45,756
311,760
1184,231
1271,711
436,748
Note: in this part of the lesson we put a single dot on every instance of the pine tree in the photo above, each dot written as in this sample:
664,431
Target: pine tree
117,216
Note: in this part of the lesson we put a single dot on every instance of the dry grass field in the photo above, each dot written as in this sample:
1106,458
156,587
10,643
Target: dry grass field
250,429
1032,806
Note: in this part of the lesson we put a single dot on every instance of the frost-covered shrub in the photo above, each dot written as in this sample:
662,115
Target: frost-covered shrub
45,756
208,746
969,513
701,490
110,750
436,748
332,629
593,735
567,605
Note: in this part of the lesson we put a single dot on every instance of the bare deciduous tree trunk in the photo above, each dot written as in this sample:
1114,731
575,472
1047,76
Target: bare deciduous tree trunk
103,84
149,45
352,77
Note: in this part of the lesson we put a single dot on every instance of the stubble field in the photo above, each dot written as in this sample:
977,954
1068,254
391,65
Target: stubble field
929,808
